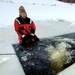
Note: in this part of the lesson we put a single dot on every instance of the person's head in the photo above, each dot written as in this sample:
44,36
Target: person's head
22,12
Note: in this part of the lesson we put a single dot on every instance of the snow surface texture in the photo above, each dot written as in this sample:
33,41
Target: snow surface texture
37,10
4,60
68,71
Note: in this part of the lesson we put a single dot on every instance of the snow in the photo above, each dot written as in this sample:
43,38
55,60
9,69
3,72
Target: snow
68,71
4,59
51,17
10,65
37,10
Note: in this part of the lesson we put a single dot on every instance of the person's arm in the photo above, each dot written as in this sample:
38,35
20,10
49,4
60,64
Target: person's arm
17,29
33,28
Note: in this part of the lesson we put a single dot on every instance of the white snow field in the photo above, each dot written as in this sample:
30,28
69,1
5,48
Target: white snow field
68,71
51,17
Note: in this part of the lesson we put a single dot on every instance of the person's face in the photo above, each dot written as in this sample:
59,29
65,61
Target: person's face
23,15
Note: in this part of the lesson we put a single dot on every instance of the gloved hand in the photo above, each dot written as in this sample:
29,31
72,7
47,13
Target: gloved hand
23,36
32,34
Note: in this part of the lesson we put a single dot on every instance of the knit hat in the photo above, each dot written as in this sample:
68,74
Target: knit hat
21,9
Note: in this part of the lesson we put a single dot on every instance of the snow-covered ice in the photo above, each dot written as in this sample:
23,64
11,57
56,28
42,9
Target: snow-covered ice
37,10
68,71
10,65
51,17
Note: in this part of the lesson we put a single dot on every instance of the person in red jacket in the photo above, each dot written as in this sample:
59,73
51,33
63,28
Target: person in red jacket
25,28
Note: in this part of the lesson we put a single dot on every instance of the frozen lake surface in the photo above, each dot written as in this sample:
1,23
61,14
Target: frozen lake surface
52,18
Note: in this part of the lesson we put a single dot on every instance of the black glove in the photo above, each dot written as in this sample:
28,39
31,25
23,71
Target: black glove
32,34
24,39
23,36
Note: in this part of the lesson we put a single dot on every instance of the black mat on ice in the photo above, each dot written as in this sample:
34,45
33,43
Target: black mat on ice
34,59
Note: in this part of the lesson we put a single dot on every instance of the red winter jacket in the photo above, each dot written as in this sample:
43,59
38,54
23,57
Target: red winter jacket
24,27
